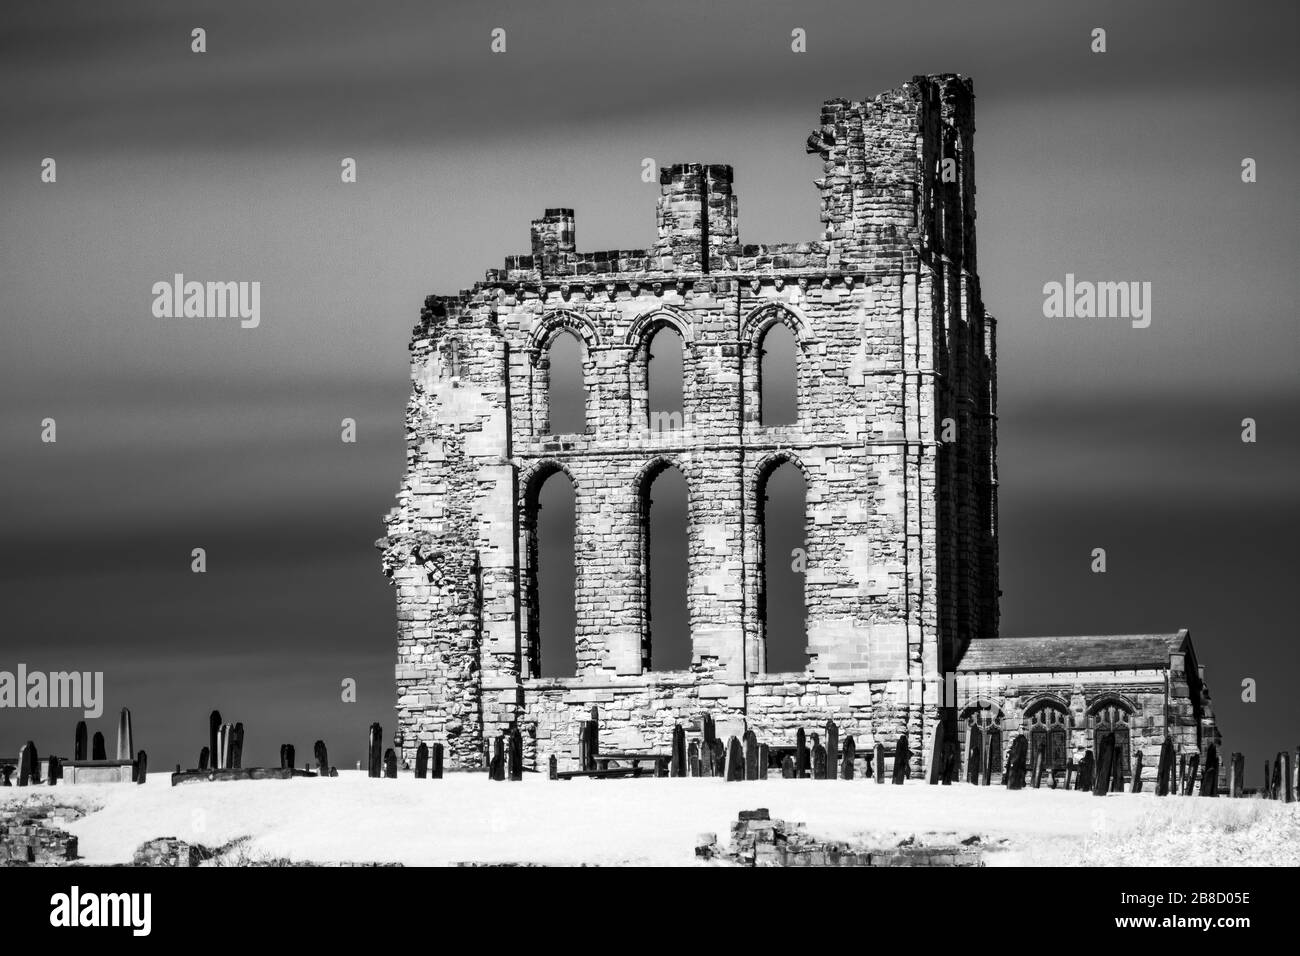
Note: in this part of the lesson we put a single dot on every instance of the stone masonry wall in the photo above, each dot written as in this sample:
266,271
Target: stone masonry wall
900,527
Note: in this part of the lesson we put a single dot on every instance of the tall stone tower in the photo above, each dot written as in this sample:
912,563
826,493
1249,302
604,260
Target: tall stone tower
895,437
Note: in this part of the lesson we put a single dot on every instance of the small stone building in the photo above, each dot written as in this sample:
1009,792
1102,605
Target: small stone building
895,438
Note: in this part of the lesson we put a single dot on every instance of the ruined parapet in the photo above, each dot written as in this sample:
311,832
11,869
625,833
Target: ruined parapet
696,219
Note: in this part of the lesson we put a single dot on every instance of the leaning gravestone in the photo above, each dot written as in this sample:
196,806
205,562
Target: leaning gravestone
787,768
677,765
751,755
735,760
97,751
1040,758
214,726
819,761
693,759
902,759
1016,764
937,754
435,763
375,752
79,742
1117,771
832,748
1210,776
1165,767
141,767
421,760
204,756
846,762
763,756
390,764
1189,782
1136,786
1105,758
801,756
322,758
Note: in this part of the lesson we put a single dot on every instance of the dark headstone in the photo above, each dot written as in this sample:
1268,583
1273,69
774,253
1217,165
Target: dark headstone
237,746
1087,769
1040,759
735,760
374,751
708,732
97,751
763,758
390,764
497,765
515,756
435,762
1180,782
751,755
6,775
79,742
286,757
1274,790
29,768
693,759
322,757
1117,771
55,772
1287,792
421,761
1136,786
902,760
141,770
879,753
677,765
936,754
819,762
1105,758
787,768
1069,774
214,725
719,757
832,748
1189,783
850,751
553,767
1210,775
204,756
1017,761
951,762
802,758
1164,769
1236,774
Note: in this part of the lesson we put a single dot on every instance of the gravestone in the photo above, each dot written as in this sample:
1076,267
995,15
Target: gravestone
879,753
1017,761
435,762
1180,782
1164,769
204,757
553,767
1266,787
125,741
497,765
79,742
677,766
902,758
237,746
390,764
27,765
751,755
322,757
832,748
141,770
1274,790
1189,782
719,757
515,764
1105,760
936,755
787,768
214,726
1086,769
375,750
709,733
55,772
952,762
819,757
846,762
1040,758
802,758
1069,774
421,761
290,757
97,751
1284,758
693,759
763,757
1136,786
1210,775
735,760
1236,772
6,774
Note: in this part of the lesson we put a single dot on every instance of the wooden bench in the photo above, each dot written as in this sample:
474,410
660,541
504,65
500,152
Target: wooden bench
608,773
660,761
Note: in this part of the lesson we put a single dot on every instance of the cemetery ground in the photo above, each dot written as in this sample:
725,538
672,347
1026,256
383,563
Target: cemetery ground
467,818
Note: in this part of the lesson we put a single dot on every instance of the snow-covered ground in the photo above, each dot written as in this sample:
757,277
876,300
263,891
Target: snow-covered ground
466,817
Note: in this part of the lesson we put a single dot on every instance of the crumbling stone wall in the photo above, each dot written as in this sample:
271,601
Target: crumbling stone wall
892,340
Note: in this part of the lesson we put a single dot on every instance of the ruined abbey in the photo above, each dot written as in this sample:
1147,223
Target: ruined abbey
895,437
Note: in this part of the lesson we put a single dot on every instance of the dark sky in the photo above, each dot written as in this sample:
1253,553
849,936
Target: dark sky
177,434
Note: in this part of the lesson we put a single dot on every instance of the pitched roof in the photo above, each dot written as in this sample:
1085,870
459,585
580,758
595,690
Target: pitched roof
1070,653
